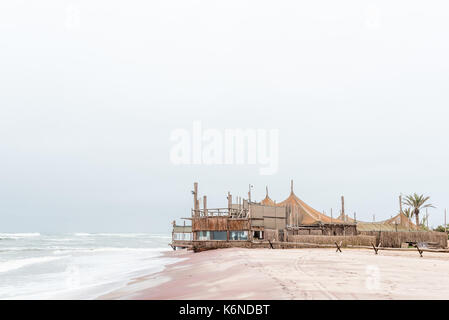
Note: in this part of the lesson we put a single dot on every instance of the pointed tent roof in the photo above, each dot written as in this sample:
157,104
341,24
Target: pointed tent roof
399,222
345,218
401,219
267,200
307,215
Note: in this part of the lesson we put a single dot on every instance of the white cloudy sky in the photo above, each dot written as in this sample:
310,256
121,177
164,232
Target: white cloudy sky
90,91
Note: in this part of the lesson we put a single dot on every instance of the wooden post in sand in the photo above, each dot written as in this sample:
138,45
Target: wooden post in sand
374,247
338,246
419,250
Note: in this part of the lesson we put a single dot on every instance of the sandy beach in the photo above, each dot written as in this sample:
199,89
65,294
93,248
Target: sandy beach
295,274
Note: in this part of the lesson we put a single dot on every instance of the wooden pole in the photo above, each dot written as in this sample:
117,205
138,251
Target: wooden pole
296,219
229,197
445,224
205,205
195,198
343,207
419,250
374,247
338,245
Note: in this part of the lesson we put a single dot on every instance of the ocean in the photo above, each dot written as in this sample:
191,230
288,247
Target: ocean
76,265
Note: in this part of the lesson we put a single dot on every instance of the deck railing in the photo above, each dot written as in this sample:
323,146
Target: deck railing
221,212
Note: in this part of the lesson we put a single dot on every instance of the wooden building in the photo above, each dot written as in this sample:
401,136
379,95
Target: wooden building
246,223
240,221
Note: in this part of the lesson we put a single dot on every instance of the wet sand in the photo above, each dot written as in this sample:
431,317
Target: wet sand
237,273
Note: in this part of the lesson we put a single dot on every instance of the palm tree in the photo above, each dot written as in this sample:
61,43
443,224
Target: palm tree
416,203
408,213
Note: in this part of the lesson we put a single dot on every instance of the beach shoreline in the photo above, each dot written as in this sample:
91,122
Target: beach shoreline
66,266
299,274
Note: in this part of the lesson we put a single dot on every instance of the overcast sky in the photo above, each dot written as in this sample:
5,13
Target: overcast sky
90,91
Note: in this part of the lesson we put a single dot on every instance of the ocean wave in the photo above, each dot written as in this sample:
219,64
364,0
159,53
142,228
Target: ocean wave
67,249
125,235
50,240
161,236
107,249
20,263
18,235
18,249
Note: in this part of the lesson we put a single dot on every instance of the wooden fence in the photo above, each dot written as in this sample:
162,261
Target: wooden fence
394,239
360,240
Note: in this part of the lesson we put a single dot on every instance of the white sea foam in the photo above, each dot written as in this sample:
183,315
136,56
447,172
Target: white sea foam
107,249
76,266
18,235
127,235
20,263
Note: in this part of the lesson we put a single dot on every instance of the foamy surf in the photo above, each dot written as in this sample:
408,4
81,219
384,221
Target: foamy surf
18,235
20,263
76,266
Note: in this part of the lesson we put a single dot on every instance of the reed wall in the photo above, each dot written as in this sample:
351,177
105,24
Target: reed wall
395,239
360,240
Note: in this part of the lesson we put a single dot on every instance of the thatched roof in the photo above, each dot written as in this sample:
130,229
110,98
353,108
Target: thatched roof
298,212
346,218
400,222
267,200
301,213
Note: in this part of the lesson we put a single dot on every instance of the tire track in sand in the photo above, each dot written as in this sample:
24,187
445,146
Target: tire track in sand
300,266
285,287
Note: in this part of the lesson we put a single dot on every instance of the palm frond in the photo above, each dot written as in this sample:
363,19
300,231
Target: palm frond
417,201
